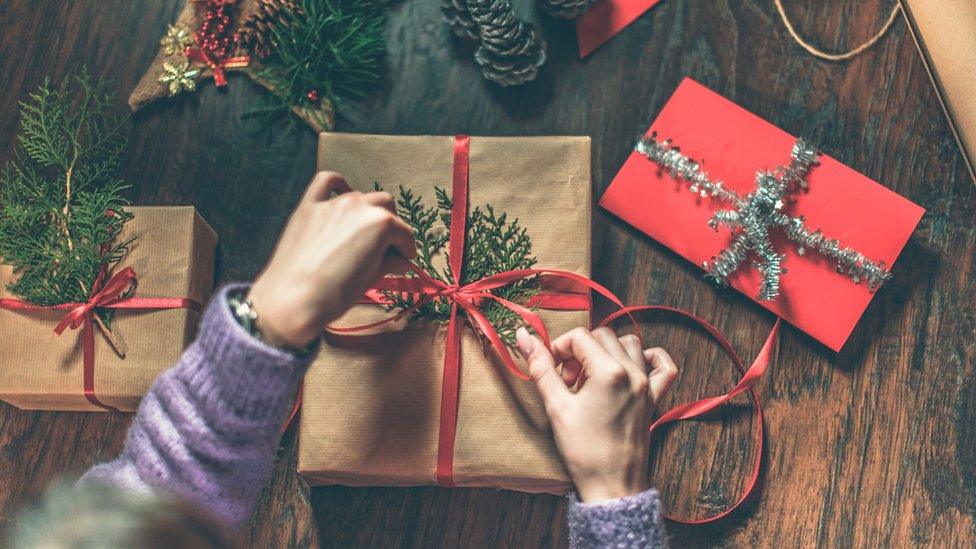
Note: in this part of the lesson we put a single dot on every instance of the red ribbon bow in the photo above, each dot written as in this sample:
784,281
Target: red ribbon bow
218,67
468,296
105,295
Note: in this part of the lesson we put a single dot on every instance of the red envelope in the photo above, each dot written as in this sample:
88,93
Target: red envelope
734,145
605,19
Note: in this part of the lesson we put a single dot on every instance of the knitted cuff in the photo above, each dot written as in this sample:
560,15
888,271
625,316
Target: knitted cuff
242,365
633,521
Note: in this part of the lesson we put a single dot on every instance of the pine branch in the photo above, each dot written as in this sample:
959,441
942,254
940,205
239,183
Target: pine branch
335,48
61,203
493,244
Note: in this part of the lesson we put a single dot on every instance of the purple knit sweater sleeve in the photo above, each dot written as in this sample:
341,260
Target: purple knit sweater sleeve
208,429
629,522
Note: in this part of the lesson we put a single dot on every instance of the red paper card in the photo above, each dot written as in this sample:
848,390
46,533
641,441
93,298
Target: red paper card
734,145
605,19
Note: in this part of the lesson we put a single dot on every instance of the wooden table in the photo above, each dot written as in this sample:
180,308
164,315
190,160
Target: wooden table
874,445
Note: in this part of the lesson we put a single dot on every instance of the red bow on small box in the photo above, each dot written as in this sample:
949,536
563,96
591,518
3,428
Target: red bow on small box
467,296
104,295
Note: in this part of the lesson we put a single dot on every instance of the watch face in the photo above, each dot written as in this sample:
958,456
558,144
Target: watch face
243,313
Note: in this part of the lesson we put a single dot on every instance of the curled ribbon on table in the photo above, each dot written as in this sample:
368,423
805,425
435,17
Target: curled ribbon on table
467,296
105,295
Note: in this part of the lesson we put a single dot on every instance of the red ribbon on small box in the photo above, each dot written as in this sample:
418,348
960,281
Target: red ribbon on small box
104,295
426,288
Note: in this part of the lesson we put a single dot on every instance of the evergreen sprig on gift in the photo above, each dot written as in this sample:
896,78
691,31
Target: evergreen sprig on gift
61,203
332,49
494,244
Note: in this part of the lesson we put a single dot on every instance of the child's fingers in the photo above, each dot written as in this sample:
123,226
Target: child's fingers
663,373
381,199
542,367
394,263
323,185
400,236
632,344
570,371
581,345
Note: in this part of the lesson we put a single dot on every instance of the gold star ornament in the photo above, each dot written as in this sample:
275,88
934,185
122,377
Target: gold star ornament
176,40
179,76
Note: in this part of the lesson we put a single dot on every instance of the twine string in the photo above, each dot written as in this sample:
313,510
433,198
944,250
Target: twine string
835,56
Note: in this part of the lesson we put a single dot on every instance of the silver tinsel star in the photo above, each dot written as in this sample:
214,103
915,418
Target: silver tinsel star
753,215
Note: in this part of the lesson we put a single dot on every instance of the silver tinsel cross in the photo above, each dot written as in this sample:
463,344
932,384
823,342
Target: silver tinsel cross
755,214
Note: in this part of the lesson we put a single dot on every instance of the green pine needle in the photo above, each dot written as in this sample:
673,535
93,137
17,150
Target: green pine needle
493,244
61,201
336,47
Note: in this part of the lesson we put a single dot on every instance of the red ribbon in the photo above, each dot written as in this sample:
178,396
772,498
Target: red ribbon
217,62
691,410
105,295
218,67
468,296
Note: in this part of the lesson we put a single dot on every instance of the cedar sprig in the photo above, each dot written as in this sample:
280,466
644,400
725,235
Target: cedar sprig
429,240
334,47
493,244
61,203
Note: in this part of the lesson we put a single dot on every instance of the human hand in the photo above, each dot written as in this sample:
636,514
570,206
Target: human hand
330,252
602,430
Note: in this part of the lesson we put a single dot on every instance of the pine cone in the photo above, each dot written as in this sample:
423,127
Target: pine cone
510,53
457,16
255,32
567,9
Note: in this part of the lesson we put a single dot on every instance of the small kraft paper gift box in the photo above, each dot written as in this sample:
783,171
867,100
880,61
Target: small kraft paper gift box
805,236
383,407
155,292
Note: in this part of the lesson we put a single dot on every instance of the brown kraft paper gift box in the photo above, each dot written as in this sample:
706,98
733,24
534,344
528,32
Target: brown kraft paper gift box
945,33
173,257
371,405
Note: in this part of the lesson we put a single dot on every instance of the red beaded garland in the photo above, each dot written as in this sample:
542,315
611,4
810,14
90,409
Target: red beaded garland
214,38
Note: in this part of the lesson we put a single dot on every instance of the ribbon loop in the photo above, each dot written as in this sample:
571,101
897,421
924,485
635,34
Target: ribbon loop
101,296
698,408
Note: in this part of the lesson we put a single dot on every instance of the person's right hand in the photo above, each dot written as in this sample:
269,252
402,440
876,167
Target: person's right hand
330,252
601,430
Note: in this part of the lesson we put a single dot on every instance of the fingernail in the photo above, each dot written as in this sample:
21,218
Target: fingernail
525,341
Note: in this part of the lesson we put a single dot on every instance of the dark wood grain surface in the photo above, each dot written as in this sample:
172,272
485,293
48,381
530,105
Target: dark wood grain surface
872,446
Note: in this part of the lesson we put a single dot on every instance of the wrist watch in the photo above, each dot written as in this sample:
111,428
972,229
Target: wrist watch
244,313
247,317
